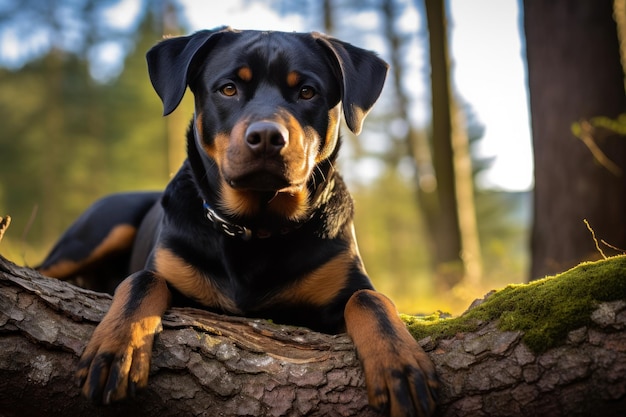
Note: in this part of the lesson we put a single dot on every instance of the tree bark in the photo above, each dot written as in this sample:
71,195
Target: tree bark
574,73
207,365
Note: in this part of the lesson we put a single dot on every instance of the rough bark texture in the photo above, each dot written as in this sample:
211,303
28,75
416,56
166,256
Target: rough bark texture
574,73
210,365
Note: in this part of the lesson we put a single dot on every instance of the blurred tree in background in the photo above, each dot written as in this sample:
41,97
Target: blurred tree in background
70,138
72,134
575,73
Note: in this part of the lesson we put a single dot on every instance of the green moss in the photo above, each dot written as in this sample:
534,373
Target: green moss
545,310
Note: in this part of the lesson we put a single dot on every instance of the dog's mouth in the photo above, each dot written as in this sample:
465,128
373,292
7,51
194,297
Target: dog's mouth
263,181
255,181
265,176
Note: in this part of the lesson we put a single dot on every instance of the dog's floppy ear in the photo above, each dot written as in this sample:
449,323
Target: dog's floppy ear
362,75
170,63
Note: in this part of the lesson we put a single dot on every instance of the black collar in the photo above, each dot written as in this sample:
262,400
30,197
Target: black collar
245,233
231,229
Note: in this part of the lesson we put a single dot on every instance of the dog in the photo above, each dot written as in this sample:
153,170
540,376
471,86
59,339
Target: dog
257,221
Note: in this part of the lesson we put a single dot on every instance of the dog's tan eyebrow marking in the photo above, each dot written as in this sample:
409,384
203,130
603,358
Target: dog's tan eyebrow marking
245,73
293,78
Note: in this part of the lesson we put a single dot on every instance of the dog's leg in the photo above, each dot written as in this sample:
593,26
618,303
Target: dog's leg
400,378
94,251
117,359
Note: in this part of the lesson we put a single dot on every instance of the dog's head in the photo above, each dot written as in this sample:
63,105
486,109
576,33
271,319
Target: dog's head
267,107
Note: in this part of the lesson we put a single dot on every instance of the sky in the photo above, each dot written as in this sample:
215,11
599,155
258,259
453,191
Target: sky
487,66
489,73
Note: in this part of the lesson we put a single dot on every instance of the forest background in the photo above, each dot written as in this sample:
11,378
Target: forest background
74,129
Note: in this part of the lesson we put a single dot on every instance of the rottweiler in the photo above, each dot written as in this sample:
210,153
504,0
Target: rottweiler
256,222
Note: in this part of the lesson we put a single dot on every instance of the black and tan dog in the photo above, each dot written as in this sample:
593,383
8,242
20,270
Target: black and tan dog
256,222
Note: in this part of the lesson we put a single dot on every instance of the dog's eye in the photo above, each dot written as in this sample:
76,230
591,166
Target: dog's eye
307,93
228,90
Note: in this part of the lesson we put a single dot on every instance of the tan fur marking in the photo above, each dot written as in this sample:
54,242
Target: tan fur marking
293,78
363,322
62,270
198,121
213,148
332,133
191,282
245,73
120,238
387,350
224,141
129,337
239,202
292,206
322,285
152,306
218,147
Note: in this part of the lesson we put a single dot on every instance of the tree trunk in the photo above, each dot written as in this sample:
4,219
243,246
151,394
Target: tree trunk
206,364
329,16
456,225
445,229
574,73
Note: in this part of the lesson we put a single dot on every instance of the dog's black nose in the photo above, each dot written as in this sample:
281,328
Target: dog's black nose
267,138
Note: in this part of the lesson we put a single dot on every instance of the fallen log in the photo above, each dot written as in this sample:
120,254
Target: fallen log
208,365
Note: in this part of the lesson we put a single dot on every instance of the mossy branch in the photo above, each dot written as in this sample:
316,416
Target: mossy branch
545,311
553,347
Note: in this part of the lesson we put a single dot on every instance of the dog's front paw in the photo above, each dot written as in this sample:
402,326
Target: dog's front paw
116,362
400,378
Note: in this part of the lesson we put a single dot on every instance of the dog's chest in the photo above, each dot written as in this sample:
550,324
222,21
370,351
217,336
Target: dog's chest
237,283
